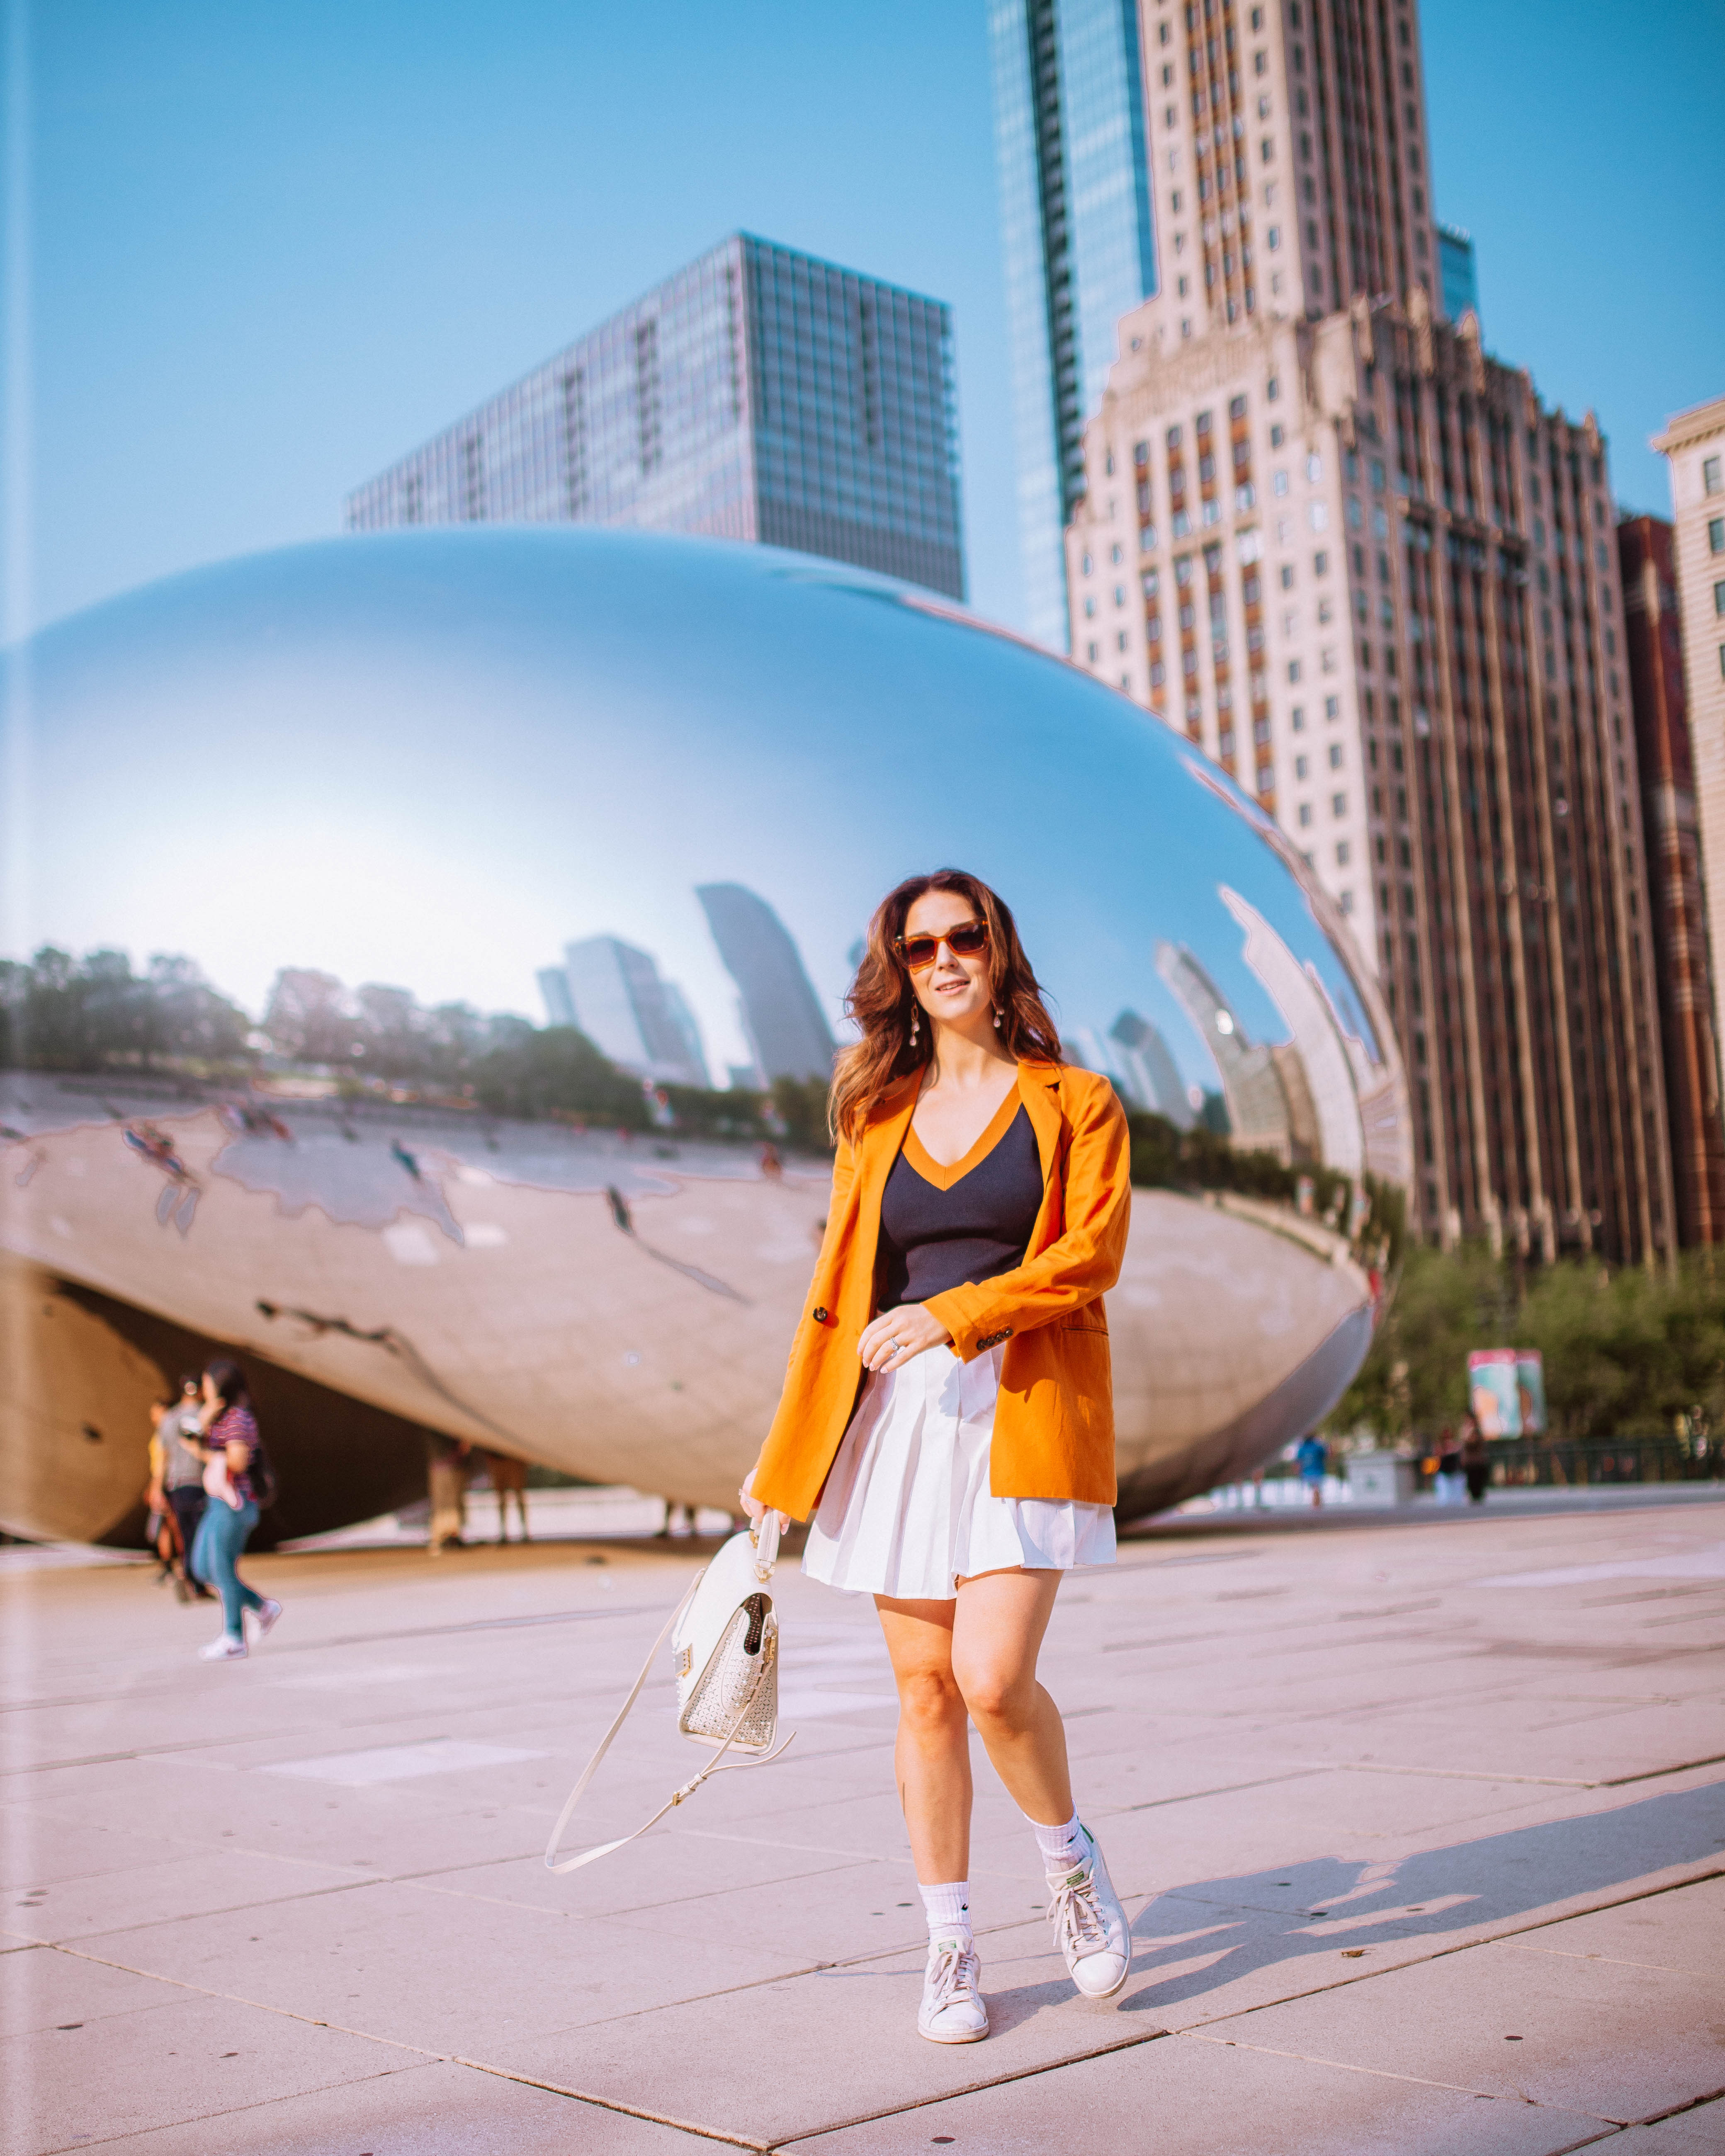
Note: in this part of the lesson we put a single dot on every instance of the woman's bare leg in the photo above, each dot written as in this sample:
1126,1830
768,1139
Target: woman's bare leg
998,1625
932,1754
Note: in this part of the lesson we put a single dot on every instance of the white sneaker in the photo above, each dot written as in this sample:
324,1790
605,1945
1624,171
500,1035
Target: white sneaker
267,1615
227,1649
1091,1926
952,2011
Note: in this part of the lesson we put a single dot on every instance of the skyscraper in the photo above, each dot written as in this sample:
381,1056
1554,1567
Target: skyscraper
780,1013
1359,564
757,394
1676,896
1076,221
612,991
1461,284
1694,444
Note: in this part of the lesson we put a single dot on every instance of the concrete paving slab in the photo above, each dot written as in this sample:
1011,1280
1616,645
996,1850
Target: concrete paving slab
447,1973
185,2057
1222,1761
1185,2097
442,2109
191,1885
1683,1932
1700,2131
41,1990
1529,2026
774,2060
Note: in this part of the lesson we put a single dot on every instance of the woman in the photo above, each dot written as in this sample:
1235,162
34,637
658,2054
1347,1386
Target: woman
947,1416
228,1448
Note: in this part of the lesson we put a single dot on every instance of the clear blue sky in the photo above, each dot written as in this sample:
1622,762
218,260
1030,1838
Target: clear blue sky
275,245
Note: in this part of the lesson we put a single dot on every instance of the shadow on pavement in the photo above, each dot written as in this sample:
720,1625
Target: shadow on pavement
1270,1919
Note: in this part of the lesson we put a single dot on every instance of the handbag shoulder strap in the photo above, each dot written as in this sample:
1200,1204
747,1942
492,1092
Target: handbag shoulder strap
677,1796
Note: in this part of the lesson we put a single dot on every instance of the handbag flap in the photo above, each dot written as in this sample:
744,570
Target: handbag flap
728,1581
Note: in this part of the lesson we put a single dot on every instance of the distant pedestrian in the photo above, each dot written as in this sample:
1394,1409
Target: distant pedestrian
1476,1461
181,1431
158,1528
1450,1480
234,1471
1312,1458
446,1470
509,1479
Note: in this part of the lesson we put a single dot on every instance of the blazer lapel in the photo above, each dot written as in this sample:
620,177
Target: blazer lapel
1039,1089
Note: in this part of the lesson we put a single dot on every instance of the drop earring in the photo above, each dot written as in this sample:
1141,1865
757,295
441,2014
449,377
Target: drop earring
996,1021
915,1022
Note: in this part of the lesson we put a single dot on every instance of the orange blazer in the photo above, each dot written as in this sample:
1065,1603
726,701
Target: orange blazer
1054,1421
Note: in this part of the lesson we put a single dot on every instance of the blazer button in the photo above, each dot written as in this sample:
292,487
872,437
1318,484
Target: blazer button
820,1317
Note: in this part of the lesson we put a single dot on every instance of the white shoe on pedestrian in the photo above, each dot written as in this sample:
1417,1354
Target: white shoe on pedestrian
227,1649
267,1615
1090,1926
952,2011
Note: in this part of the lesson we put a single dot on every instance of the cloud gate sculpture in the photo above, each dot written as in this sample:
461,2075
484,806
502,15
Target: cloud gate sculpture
444,758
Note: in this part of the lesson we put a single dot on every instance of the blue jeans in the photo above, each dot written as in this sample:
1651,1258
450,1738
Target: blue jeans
222,1537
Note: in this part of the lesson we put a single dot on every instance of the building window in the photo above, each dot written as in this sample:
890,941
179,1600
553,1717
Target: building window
1293,670
1092,654
1341,852
1266,778
1305,815
1711,480
1335,755
1347,900
1090,606
1296,719
1123,641
1716,536
1719,598
1332,707
1339,804
1319,514
1302,767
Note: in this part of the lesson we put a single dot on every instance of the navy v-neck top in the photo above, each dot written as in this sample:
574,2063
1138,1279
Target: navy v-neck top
942,1227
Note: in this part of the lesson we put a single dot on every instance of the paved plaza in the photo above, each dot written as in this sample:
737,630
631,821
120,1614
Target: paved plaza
1421,1826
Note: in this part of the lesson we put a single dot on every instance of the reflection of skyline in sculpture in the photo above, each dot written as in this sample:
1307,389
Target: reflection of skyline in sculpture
1253,1089
611,990
780,1012
1322,1064
1148,1069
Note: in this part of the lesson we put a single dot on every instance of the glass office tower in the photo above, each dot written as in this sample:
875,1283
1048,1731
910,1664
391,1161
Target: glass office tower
1459,275
1075,220
757,394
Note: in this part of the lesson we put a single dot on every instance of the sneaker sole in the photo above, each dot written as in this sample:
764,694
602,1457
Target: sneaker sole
964,2036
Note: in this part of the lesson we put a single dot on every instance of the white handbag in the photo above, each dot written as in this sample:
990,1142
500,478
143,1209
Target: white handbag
724,1641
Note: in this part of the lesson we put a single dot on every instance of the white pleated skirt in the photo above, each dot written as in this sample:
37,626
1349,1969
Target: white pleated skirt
906,1510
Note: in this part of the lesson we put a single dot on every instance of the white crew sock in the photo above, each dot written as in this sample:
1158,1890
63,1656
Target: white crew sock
948,1910
1062,1847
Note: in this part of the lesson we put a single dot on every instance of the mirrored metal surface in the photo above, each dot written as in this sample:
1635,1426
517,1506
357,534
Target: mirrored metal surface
655,786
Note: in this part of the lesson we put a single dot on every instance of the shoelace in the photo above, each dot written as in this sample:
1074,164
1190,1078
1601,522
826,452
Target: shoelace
1076,1914
951,1979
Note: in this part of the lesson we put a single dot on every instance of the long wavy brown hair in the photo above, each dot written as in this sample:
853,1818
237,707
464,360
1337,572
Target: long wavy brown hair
882,1000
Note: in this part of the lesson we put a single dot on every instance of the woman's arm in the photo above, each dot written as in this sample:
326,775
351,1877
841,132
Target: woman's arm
1083,1263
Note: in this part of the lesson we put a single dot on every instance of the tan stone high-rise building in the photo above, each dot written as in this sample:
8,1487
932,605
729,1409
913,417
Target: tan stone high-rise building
1676,889
1359,563
1694,447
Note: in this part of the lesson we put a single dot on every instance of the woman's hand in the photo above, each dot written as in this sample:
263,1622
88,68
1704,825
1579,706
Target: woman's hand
891,1339
752,1505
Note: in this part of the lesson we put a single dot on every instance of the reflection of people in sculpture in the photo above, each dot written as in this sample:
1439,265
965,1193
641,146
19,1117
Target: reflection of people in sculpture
979,1210
509,1479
